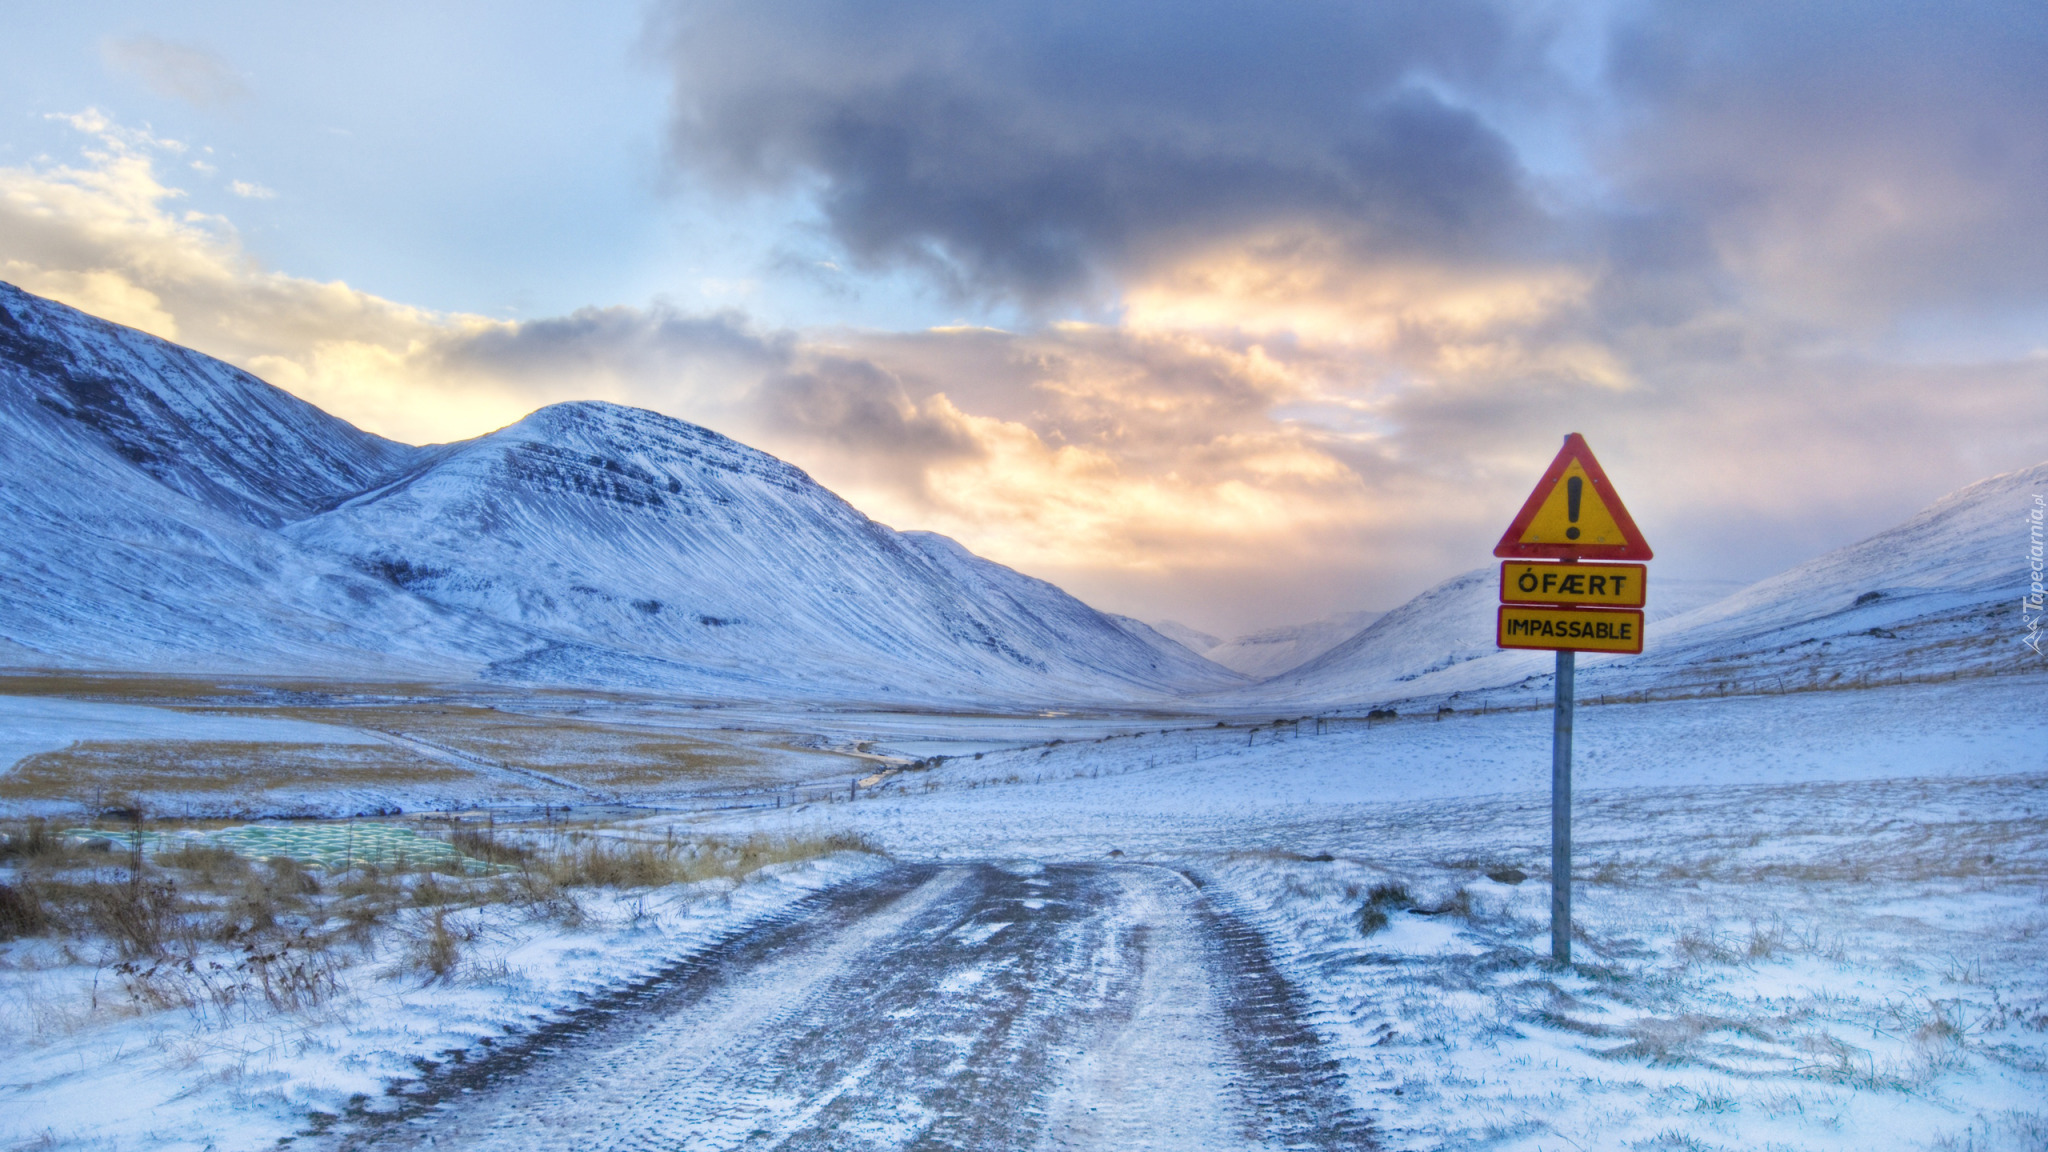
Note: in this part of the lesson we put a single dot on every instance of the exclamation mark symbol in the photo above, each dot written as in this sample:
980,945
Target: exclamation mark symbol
1573,488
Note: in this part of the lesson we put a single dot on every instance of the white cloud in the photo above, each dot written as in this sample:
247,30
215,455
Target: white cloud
248,191
107,235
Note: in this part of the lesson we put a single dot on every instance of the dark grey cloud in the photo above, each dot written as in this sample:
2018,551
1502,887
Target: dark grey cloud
1031,149
655,344
1838,160
856,403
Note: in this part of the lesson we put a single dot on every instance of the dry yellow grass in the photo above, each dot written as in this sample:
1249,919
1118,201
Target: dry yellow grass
136,688
596,756
604,757
433,739
605,862
124,770
151,688
174,912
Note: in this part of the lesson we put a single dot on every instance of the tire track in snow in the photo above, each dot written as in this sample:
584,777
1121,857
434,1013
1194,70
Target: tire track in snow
973,1007
609,1021
1302,1088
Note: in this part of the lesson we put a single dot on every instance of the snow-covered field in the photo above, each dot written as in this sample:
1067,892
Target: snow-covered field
1812,921
31,724
1809,921
199,751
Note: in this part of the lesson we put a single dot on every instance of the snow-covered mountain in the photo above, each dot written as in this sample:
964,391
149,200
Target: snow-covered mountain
633,541
1448,626
1193,639
1416,648
1276,650
1936,595
1272,651
141,487
199,427
164,510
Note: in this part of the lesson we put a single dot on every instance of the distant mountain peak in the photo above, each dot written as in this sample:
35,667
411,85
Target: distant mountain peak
1194,638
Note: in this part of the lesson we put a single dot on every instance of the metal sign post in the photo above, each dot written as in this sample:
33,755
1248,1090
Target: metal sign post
1552,599
1561,810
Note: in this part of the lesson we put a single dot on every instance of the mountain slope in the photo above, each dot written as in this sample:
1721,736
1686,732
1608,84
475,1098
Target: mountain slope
1446,627
139,483
1938,594
1193,639
166,511
202,428
1134,651
611,528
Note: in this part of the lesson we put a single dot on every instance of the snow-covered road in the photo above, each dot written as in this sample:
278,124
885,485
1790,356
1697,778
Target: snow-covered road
967,1006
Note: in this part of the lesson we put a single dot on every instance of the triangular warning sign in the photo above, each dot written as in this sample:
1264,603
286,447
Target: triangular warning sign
1574,514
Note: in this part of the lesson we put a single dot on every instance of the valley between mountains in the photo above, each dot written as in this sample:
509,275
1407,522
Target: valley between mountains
603,781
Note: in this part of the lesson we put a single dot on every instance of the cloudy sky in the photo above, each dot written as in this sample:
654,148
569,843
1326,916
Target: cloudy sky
1234,313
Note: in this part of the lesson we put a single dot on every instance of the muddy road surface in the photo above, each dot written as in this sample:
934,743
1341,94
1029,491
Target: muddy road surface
974,1007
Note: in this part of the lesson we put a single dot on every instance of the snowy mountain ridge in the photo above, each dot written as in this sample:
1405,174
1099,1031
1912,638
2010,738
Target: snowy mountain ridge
198,426
1193,639
167,511
1934,596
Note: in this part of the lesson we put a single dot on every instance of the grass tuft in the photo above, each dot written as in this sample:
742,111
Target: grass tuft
1392,895
484,844
139,917
437,951
22,912
605,862
31,840
197,927
209,862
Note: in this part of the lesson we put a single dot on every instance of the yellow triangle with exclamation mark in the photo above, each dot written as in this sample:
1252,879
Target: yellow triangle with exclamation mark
1555,523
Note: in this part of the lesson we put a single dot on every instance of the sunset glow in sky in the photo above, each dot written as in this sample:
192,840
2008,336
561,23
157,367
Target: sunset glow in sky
1235,313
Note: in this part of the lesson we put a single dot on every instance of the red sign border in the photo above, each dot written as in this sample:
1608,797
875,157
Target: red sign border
1642,573
1634,547
1500,626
